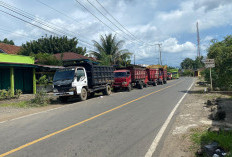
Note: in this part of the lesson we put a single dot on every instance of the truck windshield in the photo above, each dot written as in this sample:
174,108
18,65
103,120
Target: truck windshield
174,73
120,74
64,74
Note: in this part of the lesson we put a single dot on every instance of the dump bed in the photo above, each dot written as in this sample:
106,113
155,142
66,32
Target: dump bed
152,74
137,73
97,75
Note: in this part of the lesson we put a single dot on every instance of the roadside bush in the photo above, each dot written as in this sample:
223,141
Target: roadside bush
6,94
18,92
43,80
41,98
187,73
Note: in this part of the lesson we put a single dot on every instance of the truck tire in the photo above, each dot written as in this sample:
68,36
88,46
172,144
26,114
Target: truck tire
145,85
63,99
140,85
107,91
165,82
84,94
162,82
129,88
154,84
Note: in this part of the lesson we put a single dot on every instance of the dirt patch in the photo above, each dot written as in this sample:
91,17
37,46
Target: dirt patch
193,114
8,113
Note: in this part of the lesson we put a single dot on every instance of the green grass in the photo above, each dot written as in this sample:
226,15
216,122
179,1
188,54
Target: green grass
21,104
201,138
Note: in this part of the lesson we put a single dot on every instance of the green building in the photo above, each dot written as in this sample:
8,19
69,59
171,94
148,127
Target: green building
17,72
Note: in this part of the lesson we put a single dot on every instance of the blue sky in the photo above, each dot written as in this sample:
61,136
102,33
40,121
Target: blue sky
169,22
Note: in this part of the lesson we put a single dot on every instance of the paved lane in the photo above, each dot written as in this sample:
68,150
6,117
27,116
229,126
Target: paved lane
125,131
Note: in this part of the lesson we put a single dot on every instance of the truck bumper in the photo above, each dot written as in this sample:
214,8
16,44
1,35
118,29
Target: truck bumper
64,94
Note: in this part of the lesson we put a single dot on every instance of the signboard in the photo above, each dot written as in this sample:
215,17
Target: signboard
209,63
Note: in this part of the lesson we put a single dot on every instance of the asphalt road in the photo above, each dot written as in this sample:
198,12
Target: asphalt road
115,125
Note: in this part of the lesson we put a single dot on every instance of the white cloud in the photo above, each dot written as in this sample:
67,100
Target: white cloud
171,45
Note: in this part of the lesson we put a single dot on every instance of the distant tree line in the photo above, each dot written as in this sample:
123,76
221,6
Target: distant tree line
6,41
108,51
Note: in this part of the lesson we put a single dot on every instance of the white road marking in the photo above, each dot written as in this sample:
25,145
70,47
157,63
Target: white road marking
156,141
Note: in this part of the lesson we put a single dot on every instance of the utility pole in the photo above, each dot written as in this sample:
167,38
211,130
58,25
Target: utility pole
134,59
160,53
160,58
198,42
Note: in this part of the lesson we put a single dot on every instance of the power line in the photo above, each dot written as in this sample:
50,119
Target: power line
31,17
104,16
117,20
17,34
95,16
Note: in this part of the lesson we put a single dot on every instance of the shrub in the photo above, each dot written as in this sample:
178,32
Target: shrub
40,98
18,92
43,80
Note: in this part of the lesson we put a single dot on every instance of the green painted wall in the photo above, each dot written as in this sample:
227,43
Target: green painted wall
16,59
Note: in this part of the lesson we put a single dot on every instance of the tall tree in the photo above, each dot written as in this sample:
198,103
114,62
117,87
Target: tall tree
109,51
6,41
187,63
221,52
52,45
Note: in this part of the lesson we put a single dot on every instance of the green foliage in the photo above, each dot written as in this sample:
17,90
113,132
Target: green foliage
188,63
18,92
6,41
109,51
43,80
41,98
224,139
52,45
6,94
47,59
221,52
187,73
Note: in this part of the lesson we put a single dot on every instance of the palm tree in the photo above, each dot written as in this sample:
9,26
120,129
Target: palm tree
109,51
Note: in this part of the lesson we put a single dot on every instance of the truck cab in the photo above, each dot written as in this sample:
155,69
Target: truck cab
69,81
122,79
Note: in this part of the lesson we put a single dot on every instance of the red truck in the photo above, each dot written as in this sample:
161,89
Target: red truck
122,79
162,76
153,76
130,77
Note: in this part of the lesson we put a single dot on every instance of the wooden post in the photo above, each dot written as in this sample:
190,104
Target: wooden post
34,82
12,80
211,85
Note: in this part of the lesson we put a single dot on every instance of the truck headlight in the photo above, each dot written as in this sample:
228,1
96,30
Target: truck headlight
72,89
55,90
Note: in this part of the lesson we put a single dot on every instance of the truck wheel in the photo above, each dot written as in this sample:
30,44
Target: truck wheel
161,82
129,88
145,85
63,99
154,84
140,86
165,82
83,94
107,91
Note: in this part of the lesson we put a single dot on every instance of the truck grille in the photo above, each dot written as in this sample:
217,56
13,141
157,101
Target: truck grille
63,88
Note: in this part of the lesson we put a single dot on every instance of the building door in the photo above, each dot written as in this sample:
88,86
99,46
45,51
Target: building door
23,80
4,78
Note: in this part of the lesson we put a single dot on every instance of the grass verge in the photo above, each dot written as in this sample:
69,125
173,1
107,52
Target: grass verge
22,104
201,137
